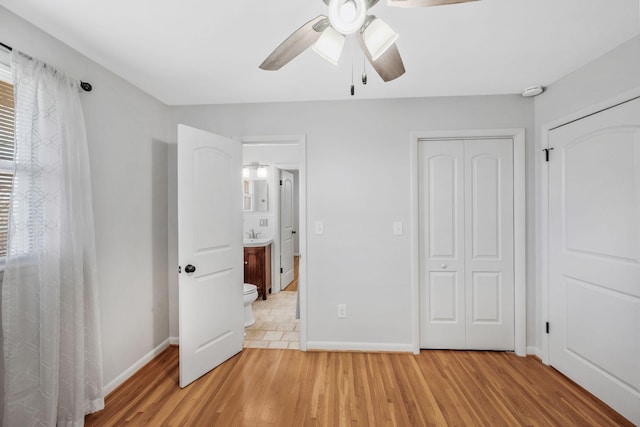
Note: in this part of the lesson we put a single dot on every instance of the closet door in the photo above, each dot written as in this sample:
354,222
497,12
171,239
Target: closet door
442,299
489,279
466,244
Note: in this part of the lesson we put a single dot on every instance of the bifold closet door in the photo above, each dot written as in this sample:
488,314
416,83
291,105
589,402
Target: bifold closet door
466,244
442,295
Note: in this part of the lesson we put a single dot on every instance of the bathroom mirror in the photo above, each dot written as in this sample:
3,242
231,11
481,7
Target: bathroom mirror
256,196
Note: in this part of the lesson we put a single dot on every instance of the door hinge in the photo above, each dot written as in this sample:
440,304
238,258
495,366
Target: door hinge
281,270
280,182
546,153
547,327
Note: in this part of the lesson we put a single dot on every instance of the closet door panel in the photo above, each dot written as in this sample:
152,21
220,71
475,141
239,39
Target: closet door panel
488,266
442,305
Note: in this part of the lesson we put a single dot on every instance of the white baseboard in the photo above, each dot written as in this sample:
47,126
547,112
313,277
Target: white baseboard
359,346
535,351
135,367
174,340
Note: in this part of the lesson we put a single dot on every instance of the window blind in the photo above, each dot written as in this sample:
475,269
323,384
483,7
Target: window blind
7,123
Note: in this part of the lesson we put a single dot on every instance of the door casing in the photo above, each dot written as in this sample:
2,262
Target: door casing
519,232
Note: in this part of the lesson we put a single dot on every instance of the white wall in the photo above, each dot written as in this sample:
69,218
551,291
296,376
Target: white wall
126,129
608,80
358,184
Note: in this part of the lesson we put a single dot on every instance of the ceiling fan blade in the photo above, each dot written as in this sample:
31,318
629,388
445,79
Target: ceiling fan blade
295,44
423,3
389,65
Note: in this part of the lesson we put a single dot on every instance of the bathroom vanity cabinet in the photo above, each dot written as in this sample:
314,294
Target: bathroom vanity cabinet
257,268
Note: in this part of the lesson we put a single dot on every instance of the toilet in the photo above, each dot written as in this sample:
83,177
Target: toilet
250,295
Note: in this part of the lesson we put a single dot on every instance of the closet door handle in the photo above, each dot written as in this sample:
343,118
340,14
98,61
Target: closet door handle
444,266
190,268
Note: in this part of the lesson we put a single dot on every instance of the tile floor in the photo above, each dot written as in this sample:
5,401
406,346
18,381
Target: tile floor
276,324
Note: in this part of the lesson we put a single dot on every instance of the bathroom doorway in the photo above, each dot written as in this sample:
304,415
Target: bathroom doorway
280,318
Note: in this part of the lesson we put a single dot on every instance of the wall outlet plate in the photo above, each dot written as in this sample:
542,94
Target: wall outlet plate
264,222
342,311
397,228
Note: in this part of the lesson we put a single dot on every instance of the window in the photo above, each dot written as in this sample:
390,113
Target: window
7,122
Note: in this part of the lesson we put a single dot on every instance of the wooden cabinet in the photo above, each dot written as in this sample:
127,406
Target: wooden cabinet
257,268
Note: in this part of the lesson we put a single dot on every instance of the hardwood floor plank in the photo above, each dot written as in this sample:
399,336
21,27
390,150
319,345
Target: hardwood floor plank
261,387
293,286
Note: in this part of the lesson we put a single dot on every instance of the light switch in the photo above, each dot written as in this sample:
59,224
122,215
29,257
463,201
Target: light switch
397,228
263,222
319,227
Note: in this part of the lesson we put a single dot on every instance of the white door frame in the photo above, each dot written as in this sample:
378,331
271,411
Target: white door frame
301,166
519,231
542,214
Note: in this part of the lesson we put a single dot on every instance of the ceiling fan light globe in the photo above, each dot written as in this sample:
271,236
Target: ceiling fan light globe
329,45
378,37
347,16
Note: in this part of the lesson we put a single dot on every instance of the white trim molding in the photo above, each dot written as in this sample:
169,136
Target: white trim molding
359,346
534,351
128,373
519,235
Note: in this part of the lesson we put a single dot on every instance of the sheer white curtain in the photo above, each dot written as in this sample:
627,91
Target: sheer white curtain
50,319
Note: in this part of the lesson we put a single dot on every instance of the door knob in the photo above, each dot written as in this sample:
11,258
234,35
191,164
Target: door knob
246,262
444,266
189,268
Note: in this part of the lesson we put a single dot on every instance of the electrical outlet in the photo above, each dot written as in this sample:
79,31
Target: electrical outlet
263,222
342,311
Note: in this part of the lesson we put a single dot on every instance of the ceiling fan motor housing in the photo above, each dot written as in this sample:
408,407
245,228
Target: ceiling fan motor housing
347,16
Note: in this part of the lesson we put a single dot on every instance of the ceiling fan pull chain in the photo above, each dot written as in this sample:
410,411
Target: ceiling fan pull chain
364,70
353,88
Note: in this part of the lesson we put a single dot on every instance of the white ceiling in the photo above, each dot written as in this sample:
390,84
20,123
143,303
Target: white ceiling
207,52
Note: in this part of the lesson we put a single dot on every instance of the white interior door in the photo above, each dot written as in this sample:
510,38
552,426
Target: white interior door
286,228
594,255
442,296
209,241
466,244
489,272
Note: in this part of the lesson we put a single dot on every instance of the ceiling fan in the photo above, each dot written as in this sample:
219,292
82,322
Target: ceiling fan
327,35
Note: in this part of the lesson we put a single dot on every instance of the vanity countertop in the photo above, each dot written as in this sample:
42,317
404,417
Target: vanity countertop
255,243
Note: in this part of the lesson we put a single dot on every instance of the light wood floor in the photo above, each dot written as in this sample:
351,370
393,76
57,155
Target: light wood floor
291,388
293,286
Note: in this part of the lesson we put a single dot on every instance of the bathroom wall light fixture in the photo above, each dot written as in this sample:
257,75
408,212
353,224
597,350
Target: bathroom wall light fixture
254,168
